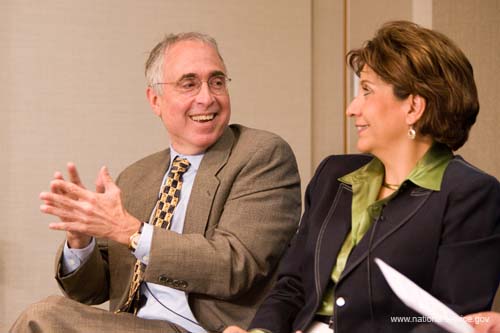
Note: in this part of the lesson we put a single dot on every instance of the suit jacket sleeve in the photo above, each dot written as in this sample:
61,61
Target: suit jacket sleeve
89,284
252,219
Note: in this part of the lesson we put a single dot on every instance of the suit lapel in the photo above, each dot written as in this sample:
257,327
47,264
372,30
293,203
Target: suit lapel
331,236
206,184
396,214
147,189
140,205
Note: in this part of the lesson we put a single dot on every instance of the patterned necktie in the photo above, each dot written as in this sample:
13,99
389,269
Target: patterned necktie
163,213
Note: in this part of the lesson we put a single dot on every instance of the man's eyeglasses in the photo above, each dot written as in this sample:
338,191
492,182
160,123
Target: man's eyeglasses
191,86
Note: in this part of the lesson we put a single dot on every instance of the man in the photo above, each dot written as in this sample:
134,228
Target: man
222,203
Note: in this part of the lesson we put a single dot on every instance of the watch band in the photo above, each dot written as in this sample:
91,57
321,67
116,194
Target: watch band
134,239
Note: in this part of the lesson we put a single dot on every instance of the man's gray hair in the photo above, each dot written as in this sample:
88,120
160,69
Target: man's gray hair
154,65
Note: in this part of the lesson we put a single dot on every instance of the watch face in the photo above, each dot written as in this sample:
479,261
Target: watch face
134,240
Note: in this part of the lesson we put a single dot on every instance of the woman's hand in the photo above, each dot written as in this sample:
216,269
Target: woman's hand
234,329
484,322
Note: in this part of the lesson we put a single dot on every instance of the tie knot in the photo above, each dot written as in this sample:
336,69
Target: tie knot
180,165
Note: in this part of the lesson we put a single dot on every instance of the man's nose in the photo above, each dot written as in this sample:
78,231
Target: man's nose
205,96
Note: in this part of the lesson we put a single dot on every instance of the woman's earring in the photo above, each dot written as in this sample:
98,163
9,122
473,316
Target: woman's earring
412,133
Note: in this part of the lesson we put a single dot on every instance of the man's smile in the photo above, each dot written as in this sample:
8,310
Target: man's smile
202,118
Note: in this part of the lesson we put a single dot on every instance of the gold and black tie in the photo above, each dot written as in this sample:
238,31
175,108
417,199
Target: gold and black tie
163,213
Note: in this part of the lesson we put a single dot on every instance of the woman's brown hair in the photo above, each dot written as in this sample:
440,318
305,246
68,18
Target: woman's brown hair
419,61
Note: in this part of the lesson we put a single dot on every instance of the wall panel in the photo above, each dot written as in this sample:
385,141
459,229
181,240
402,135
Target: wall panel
364,17
73,89
474,26
327,80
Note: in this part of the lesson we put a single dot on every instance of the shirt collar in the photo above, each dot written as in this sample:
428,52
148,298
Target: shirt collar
194,160
428,173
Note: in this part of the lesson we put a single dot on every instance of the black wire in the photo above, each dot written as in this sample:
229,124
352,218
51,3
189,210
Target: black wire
170,310
370,287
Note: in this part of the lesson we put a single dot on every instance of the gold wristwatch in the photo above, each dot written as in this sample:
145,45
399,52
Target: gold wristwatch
134,239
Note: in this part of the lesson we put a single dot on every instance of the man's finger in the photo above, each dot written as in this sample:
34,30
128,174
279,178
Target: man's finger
74,191
58,190
99,182
74,176
65,214
61,201
58,175
72,226
106,176
106,179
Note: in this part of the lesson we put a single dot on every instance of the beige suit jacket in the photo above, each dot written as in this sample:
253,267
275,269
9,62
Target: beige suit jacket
243,210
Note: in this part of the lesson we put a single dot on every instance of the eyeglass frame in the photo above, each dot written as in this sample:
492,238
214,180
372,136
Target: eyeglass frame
196,90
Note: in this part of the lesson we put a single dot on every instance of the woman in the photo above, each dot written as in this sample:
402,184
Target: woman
410,202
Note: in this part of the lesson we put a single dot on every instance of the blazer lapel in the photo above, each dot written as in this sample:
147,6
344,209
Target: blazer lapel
206,184
333,231
146,193
397,213
140,205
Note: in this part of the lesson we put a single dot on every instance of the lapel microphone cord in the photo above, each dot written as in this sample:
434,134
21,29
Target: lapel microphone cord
170,310
369,259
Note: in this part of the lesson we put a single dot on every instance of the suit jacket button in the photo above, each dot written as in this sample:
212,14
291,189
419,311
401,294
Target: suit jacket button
340,301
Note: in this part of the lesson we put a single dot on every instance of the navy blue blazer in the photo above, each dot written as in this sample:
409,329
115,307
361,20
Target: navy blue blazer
447,241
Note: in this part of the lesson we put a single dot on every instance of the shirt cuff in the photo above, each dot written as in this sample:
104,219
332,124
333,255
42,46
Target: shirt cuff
144,244
74,258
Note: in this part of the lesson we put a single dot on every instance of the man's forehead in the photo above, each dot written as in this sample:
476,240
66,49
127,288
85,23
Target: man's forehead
196,75
192,57
189,44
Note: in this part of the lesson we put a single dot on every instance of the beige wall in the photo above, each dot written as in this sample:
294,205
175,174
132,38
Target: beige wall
72,89
363,19
474,25
328,97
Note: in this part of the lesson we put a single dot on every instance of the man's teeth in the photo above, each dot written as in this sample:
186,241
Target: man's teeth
204,117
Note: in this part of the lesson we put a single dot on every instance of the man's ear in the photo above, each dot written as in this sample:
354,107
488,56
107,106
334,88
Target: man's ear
417,109
154,100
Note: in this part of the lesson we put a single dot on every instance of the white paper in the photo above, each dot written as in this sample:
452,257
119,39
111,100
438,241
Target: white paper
423,302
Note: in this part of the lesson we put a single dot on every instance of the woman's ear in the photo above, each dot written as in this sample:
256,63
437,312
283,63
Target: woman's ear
417,108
